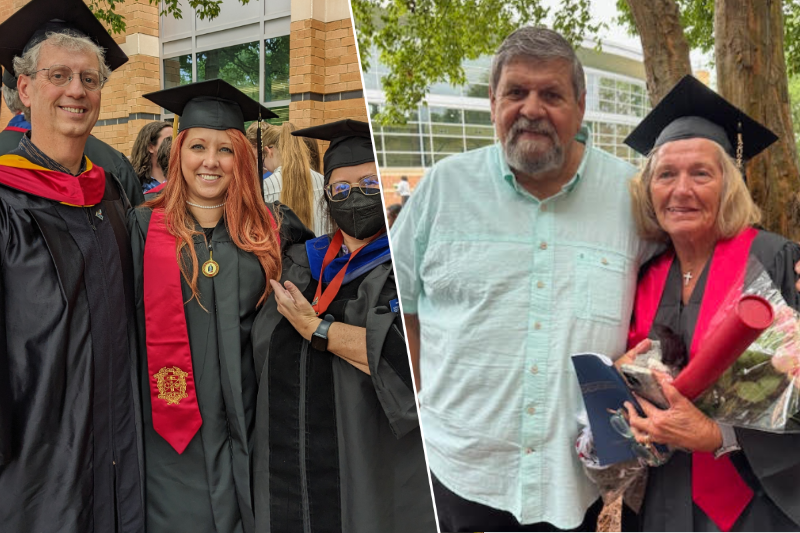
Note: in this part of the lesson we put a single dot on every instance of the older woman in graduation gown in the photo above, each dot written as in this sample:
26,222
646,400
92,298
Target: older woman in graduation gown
204,250
691,195
338,445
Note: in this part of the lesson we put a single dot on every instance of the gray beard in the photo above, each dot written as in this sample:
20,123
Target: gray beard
518,157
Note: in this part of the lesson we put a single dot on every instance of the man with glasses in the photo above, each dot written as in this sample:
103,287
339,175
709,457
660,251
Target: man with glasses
69,444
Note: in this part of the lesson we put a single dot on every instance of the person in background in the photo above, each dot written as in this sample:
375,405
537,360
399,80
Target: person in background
70,416
195,313
404,189
145,154
313,153
392,212
10,136
338,446
163,154
292,182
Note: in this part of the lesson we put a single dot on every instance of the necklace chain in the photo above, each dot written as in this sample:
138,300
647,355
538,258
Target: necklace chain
205,206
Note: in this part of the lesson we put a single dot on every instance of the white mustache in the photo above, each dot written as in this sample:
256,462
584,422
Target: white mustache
539,126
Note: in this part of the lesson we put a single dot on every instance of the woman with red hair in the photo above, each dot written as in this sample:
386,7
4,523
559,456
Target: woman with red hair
203,253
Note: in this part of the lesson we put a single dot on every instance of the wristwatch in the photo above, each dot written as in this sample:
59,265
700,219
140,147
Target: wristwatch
319,340
729,441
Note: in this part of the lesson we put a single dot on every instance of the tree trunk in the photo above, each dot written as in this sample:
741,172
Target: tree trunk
751,74
666,52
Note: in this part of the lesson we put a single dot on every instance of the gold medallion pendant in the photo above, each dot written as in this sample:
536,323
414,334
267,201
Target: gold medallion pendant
210,267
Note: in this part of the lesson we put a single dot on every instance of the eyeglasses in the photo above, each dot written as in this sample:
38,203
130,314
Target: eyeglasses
647,453
60,75
340,191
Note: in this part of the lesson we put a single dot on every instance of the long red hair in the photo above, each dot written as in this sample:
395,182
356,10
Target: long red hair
248,221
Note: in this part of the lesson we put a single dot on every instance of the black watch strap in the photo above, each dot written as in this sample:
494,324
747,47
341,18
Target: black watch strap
319,340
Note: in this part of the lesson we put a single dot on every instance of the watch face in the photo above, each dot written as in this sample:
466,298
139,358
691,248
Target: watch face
319,342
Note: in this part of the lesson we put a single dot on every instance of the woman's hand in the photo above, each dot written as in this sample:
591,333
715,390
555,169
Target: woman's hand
681,426
295,308
633,353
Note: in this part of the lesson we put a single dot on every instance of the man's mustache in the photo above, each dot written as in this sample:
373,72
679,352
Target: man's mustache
539,126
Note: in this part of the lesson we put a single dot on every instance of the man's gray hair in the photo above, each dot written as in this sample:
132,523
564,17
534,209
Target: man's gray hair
538,44
11,97
26,65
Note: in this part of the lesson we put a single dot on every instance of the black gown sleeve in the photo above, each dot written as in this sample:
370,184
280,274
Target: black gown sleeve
775,458
292,230
389,367
5,382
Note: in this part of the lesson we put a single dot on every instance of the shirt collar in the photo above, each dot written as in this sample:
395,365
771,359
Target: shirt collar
584,136
40,158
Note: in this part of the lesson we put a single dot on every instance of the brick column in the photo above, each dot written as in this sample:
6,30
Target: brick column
324,76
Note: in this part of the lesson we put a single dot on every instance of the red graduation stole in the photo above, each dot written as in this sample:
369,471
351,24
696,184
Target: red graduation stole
14,128
176,414
717,487
83,190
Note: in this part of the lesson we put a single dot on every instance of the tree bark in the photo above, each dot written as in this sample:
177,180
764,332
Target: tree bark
751,74
666,51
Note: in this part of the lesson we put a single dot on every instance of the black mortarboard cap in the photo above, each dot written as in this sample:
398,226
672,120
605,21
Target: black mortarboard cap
351,143
213,104
9,80
691,110
32,22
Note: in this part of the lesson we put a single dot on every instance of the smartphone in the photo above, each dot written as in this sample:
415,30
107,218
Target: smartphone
644,383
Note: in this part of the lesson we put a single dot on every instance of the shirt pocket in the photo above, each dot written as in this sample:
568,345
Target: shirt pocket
600,285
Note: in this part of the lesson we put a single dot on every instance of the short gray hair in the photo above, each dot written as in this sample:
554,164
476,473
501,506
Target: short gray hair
538,44
27,63
11,96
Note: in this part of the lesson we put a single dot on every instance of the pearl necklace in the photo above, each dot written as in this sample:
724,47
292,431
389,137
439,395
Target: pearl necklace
205,206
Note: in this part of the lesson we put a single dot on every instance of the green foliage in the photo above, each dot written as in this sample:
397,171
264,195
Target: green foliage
794,104
697,18
237,64
206,9
423,42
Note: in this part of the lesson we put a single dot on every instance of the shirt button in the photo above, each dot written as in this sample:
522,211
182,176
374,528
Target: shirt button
531,410
528,451
540,284
534,369
537,325
543,246
604,261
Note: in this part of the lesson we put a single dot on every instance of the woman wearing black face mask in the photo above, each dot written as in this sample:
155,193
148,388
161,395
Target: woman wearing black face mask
337,441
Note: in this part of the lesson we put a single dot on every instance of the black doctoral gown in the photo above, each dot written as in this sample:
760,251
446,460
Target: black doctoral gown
207,488
769,463
69,422
99,153
337,450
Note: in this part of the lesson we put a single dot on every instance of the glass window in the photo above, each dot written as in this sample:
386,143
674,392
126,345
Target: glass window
447,115
446,129
477,117
472,144
177,71
448,144
238,65
401,143
477,90
283,115
276,69
479,131
403,160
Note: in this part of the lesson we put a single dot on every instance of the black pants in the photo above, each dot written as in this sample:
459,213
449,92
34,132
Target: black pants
457,514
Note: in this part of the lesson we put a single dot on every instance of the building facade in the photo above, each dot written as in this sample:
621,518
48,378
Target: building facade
457,119
298,57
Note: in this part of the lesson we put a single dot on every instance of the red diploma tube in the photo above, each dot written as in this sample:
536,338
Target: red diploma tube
723,346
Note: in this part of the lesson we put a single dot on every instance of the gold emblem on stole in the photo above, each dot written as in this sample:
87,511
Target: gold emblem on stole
171,383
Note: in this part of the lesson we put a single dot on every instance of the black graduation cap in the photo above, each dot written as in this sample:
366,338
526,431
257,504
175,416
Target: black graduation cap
351,143
9,80
31,24
692,110
213,104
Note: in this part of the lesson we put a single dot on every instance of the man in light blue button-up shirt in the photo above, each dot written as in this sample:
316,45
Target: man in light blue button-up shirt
509,259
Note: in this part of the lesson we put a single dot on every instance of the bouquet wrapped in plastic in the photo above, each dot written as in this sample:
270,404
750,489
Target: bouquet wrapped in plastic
746,372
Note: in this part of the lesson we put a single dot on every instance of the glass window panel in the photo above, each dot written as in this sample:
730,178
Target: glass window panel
443,129
447,115
403,160
477,117
472,144
448,144
479,131
427,159
445,88
177,71
276,69
476,90
439,157
403,128
238,65
283,115
401,143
